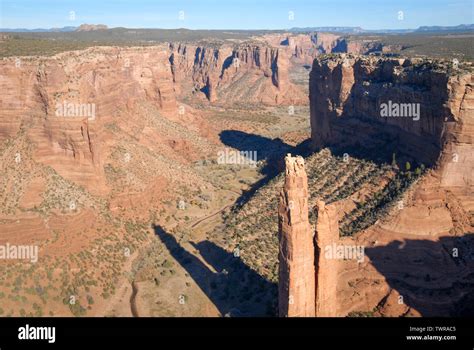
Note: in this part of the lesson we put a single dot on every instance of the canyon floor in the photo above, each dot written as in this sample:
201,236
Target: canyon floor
186,273
134,214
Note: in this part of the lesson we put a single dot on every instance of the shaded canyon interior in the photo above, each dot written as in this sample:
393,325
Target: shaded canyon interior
135,216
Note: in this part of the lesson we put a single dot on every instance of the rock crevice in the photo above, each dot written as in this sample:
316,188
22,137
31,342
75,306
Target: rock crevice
307,278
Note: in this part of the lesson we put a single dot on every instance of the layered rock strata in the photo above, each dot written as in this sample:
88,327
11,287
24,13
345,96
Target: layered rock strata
65,101
307,274
348,94
326,238
296,253
250,72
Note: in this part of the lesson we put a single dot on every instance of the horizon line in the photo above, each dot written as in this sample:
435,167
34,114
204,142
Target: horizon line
237,29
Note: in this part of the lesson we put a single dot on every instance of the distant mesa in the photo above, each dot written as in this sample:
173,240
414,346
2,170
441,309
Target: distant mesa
360,30
82,28
90,27
38,30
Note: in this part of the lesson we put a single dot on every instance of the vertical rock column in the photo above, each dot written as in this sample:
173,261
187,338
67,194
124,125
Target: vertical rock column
327,236
211,90
296,288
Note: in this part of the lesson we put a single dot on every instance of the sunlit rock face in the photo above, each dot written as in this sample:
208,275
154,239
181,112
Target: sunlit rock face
296,253
430,109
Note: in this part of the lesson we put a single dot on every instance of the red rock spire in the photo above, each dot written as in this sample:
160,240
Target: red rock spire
296,253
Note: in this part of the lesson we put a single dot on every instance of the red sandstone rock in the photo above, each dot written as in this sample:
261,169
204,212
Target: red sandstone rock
249,72
296,271
436,208
327,236
355,87
308,273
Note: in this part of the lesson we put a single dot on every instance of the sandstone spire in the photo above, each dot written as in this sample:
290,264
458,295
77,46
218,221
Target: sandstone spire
296,253
327,235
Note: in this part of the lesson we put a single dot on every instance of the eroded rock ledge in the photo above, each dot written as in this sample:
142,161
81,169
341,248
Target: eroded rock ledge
347,93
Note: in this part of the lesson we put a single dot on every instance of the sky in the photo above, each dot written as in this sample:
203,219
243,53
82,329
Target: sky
235,14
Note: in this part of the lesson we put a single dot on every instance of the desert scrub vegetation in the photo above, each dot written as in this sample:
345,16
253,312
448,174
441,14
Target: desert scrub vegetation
107,254
50,43
152,263
83,277
65,195
18,170
248,117
378,205
252,227
16,45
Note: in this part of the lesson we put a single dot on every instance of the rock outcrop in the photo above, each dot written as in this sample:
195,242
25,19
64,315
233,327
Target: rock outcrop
347,94
296,254
326,238
307,274
248,72
304,48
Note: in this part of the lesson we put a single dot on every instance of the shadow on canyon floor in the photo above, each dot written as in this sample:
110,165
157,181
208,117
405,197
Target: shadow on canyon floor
381,150
266,148
272,151
361,130
435,278
234,288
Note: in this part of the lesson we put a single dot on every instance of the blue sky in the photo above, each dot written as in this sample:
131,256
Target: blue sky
235,14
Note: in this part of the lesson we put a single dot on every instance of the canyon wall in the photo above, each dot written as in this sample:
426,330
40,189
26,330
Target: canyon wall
347,96
348,93
248,72
64,102
67,103
304,48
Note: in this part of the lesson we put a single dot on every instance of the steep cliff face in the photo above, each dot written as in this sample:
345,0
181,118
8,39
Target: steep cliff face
349,97
326,238
254,72
65,101
304,48
296,253
308,271
361,46
428,110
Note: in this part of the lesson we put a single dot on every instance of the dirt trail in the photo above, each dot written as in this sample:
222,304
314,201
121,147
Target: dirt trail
210,216
197,236
133,300
122,291
199,230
